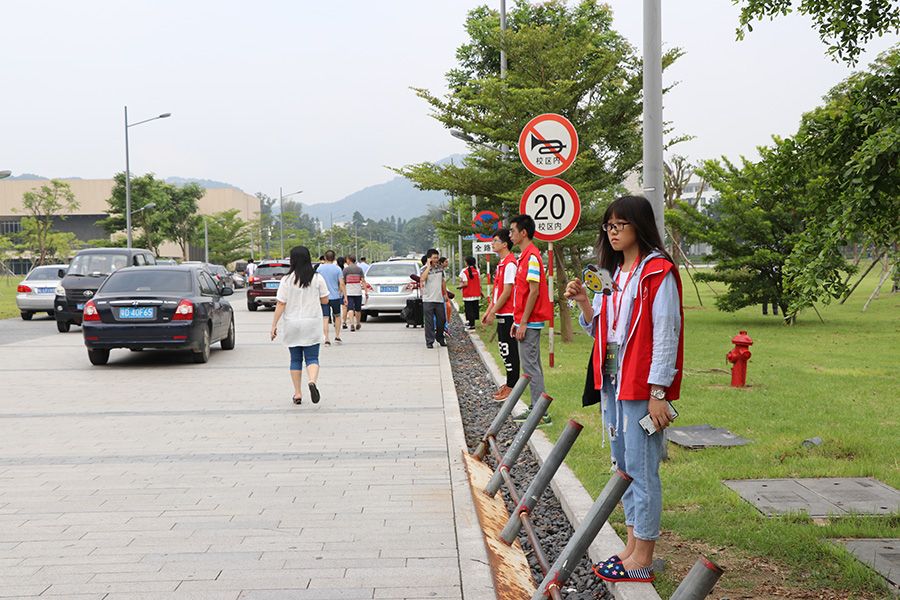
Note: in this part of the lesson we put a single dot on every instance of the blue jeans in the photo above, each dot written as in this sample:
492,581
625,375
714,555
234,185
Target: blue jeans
638,455
299,354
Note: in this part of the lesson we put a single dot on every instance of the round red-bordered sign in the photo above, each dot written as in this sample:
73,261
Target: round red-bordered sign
548,145
555,207
484,220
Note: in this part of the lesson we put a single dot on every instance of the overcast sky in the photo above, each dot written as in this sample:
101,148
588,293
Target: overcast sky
314,95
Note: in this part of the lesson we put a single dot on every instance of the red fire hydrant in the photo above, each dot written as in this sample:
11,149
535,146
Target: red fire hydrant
739,357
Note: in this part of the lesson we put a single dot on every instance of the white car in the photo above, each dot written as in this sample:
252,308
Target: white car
390,286
36,292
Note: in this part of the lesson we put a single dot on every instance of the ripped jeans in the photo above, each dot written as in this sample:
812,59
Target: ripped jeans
638,455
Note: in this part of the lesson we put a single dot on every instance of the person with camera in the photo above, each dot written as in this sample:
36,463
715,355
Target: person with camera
635,368
434,294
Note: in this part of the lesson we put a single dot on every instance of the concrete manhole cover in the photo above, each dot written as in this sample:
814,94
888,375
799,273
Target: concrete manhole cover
818,497
704,436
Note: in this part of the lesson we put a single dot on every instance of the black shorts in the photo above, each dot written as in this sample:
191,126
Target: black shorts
354,303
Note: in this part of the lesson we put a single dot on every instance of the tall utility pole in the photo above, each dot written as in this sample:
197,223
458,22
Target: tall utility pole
653,117
281,197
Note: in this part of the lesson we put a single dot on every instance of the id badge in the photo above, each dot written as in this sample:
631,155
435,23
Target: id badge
611,359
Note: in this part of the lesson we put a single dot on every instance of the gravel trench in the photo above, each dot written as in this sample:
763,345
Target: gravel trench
474,387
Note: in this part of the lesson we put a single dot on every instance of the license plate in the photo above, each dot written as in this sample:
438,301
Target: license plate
272,285
136,313
390,288
46,290
79,306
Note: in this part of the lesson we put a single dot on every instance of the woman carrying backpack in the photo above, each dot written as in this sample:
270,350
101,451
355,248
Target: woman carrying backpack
300,296
470,284
635,368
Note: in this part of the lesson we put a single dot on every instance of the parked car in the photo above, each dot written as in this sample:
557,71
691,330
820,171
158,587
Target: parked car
37,291
218,272
261,288
166,262
174,308
390,286
86,273
238,280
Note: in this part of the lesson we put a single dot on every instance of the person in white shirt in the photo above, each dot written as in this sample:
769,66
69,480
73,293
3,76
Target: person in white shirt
300,297
250,269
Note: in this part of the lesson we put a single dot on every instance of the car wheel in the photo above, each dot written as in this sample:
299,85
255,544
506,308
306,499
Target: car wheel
228,341
63,327
26,316
252,306
50,313
202,355
373,314
98,357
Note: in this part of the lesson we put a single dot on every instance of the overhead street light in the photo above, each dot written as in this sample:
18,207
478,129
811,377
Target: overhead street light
147,206
5,174
128,171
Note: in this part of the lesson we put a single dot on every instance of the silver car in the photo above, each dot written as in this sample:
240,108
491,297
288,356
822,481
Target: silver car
390,286
36,292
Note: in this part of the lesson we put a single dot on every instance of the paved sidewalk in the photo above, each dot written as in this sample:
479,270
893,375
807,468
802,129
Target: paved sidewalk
154,478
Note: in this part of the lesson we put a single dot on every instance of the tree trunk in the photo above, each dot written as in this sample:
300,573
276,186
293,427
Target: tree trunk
565,315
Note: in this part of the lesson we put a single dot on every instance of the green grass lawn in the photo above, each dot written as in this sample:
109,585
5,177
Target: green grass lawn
836,380
8,297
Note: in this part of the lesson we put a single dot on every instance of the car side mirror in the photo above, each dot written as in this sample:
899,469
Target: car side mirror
61,273
227,291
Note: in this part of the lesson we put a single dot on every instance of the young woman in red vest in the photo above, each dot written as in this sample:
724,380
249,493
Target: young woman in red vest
470,284
635,368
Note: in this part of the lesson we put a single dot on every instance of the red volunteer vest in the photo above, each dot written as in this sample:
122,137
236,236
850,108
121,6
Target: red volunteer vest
507,308
522,289
639,349
472,288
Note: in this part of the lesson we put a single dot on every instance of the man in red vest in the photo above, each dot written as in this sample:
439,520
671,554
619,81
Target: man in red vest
501,308
531,306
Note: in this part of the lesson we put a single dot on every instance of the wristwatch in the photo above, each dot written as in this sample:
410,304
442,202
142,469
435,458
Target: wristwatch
658,394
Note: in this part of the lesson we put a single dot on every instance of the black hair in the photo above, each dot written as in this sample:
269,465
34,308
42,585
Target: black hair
430,252
524,223
351,258
470,261
340,261
362,259
301,266
638,212
329,255
503,235
321,257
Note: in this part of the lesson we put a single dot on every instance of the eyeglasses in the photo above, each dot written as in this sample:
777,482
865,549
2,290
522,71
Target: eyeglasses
614,227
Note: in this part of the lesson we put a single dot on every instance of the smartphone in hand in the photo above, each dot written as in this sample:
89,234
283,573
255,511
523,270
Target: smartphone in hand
648,424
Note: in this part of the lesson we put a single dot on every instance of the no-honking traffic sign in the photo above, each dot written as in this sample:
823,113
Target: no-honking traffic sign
548,145
555,207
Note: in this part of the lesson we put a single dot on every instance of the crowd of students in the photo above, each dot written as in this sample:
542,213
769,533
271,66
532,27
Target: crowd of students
635,318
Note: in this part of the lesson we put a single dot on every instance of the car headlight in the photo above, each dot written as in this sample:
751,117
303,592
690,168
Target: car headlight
60,290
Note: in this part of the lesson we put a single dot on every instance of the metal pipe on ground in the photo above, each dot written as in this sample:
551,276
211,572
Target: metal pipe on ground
571,555
540,482
530,533
700,580
503,414
518,444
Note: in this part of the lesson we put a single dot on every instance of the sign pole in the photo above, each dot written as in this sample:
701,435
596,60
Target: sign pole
552,306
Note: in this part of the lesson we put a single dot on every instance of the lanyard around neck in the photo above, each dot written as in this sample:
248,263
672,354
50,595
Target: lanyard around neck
619,293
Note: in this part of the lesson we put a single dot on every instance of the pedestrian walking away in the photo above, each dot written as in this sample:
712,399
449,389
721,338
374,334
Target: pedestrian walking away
341,263
331,312
501,310
531,307
250,269
301,295
470,285
363,265
434,295
355,284
635,368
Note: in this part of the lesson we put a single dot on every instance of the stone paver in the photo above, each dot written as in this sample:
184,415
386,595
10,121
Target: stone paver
819,496
157,478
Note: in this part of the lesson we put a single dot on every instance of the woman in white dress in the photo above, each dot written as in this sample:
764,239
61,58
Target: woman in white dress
300,296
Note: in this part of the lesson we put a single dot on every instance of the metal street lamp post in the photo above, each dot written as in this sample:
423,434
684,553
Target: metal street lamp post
653,111
281,198
128,171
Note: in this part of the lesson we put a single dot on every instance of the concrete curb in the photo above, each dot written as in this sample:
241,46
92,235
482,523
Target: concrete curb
575,500
474,568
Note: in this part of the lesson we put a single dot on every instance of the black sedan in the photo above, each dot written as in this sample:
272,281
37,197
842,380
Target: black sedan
177,308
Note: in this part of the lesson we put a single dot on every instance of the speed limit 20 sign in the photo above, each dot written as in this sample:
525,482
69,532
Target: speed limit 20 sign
554,206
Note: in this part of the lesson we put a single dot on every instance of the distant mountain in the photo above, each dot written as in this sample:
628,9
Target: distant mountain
208,184
29,177
397,197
